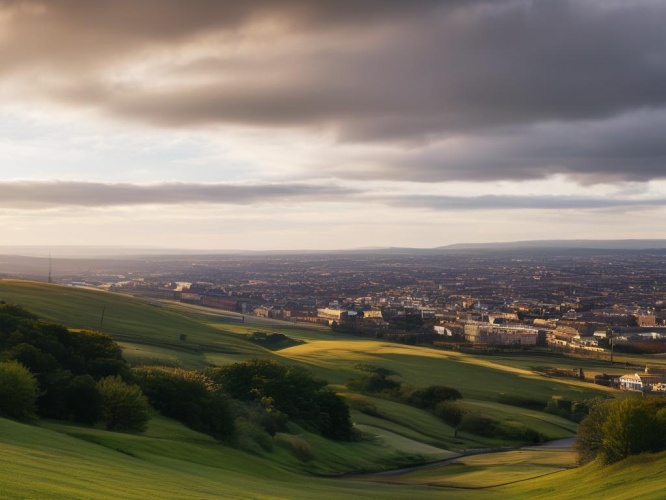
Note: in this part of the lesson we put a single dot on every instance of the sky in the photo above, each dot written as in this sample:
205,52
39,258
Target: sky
331,124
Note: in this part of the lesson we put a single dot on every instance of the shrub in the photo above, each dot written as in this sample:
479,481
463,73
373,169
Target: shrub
632,426
334,421
251,437
616,429
187,396
18,391
429,397
517,431
362,404
520,401
478,424
288,390
298,447
451,412
589,438
83,400
125,408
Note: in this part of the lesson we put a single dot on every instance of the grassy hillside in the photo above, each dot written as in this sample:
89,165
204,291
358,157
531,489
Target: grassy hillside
151,332
57,461
169,461
126,318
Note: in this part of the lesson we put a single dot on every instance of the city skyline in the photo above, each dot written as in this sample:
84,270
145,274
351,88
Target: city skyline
329,125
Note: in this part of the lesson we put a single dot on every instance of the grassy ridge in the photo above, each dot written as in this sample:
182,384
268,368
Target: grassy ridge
170,461
488,470
126,318
48,463
476,378
148,332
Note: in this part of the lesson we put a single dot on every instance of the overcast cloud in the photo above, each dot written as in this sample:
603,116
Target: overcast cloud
292,101
25,194
371,71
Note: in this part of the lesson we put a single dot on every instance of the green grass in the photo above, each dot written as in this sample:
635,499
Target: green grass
67,462
550,426
126,318
638,477
485,471
57,460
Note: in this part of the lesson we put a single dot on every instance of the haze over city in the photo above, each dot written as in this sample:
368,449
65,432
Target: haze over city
293,124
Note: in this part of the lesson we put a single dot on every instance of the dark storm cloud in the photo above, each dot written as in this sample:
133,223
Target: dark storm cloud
377,71
31,194
630,147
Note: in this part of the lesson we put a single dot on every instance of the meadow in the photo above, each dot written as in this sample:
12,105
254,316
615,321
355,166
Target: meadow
171,461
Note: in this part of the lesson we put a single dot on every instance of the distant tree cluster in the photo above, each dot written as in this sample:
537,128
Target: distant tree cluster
285,392
381,382
187,396
50,371
615,429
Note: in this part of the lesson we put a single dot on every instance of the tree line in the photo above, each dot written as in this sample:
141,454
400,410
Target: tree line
48,371
615,429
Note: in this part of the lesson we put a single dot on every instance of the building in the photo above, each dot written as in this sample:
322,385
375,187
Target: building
483,333
641,382
329,315
220,302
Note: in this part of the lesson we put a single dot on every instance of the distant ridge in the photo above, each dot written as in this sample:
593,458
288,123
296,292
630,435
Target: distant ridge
125,253
562,244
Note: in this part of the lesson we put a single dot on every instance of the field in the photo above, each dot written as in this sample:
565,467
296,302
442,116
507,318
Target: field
185,464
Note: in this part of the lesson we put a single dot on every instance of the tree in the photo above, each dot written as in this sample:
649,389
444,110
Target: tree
188,396
590,435
431,396
335,420
616,429
18,391
288,390
83,400
125,408
631,427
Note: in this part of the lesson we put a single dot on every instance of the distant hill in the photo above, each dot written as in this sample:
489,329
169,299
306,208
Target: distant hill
26,258
562,244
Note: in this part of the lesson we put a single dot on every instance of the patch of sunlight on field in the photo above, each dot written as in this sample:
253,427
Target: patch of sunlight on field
86,463
550,426
226,359
148,354
639,477
487,470
405,445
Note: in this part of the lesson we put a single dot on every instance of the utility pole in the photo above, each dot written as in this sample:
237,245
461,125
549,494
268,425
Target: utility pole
50,280
101,321
609,334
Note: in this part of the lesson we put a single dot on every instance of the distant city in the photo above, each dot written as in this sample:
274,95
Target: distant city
574,299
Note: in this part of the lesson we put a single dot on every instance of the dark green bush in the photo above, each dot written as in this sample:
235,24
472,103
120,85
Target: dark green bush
187,396
289,390
125,408
431,396
83,400
478,424
521,401
451,412
18,391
